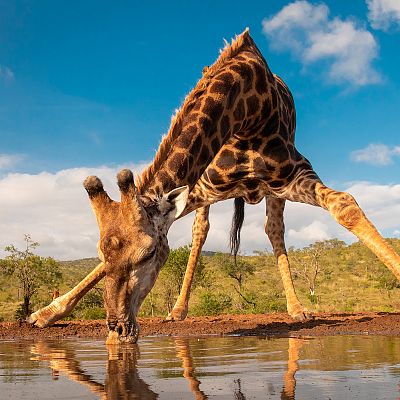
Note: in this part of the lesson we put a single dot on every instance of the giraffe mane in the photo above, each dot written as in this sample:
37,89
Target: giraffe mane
229,51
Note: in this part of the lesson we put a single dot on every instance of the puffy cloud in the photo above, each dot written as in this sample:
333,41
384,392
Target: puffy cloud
307,31
376,154
54,209
383,14
304,224
310,233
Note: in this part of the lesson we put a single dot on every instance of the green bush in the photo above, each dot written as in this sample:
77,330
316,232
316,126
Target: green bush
271,305
94,313
20,314
212,304
313,298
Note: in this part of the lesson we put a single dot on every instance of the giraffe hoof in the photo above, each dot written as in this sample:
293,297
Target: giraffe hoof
301,316
48,315
36,320
177,315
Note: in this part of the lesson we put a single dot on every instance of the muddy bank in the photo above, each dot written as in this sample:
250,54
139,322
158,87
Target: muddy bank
262,324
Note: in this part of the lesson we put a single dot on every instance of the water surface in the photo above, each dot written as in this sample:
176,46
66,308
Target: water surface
337,367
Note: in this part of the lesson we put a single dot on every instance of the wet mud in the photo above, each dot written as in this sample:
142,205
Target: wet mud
278,324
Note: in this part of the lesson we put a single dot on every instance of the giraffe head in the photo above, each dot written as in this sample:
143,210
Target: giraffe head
133,246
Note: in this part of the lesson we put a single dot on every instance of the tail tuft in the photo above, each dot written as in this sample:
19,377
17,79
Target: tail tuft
237,223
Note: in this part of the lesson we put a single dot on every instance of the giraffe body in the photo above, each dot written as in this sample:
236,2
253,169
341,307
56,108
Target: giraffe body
232,137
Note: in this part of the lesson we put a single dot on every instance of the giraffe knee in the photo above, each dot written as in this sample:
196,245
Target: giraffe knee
346,210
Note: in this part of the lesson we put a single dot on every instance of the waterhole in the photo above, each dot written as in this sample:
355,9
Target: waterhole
336,367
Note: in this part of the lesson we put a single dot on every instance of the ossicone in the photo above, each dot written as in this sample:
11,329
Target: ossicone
93,186
125,180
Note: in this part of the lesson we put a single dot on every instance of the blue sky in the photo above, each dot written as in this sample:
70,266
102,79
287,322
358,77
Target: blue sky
93,83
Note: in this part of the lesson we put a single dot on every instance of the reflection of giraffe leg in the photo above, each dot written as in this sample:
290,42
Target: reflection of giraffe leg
346,211
289,388
183,352
275,229
63,305
200,229
62,359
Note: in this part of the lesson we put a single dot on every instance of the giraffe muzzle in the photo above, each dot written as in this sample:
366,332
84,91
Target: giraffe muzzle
122,332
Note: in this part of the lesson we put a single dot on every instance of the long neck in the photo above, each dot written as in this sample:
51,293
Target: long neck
204,129
208,117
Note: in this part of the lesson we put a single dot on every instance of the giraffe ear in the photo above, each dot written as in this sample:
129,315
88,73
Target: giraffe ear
173,203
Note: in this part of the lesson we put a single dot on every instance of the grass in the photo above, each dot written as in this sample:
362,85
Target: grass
350,279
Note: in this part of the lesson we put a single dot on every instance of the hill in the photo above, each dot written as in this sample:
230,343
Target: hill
329,276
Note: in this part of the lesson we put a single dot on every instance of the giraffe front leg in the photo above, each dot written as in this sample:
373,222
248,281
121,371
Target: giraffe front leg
200,229
275,229
63,305
348,213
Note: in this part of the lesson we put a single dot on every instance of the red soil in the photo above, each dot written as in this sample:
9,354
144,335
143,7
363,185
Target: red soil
262,325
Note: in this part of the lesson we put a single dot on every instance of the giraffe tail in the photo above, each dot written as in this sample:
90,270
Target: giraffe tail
237,223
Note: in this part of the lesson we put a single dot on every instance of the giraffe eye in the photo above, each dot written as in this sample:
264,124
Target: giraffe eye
113,242
148,256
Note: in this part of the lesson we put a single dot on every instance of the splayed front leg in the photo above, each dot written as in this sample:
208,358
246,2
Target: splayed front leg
63,305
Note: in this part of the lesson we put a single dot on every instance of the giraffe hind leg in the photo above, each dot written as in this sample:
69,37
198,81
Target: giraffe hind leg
344,208
275,229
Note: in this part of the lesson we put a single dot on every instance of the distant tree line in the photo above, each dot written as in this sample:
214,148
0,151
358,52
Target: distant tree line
328,275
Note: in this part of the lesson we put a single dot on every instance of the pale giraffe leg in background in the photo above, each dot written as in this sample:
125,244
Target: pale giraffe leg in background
63,305
200,229
275,230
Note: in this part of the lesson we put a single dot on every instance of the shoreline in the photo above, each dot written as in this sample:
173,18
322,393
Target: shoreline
271,325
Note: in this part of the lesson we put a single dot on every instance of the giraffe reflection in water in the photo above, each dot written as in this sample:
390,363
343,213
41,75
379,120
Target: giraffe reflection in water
122,379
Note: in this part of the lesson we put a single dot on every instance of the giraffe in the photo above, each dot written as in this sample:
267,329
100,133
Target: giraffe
230,139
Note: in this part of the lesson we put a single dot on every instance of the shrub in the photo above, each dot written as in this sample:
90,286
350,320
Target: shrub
94,313
212,304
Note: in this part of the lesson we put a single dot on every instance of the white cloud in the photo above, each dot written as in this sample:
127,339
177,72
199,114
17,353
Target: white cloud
304,224
376,154
54,209
9,160
382,14
310,233
307,31
6,74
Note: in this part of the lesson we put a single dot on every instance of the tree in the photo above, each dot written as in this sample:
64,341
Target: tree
238,270
308,261
31,271
173,272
